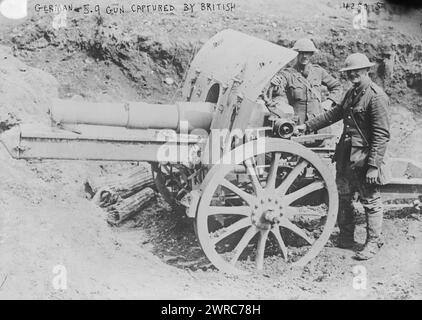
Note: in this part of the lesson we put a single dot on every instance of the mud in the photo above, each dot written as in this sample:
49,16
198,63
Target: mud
45,219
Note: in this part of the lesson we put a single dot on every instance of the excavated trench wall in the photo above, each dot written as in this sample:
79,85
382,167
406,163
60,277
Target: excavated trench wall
146,58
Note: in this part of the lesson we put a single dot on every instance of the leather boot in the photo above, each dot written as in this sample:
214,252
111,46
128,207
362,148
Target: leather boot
374,212
372,247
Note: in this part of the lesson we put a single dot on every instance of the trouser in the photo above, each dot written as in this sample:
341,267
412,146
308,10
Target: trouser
349,182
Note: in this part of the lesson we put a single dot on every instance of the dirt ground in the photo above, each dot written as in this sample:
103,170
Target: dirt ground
47,223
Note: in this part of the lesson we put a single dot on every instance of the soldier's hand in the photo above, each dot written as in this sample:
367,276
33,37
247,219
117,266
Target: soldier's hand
276,80
299,129
372,175
327,104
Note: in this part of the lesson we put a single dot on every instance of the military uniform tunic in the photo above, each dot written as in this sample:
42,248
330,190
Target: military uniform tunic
302,88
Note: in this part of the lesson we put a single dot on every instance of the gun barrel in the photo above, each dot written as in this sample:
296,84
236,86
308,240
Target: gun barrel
134,115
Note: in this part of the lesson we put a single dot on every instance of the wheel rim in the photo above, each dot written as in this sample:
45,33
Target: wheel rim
265,210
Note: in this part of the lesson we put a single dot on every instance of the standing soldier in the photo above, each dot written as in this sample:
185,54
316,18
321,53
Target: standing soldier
359,153
302,84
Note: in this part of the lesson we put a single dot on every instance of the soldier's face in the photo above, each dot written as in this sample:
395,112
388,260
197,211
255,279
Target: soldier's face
356,76
304,57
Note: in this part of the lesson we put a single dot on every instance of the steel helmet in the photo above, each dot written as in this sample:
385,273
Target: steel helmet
356,61
305,44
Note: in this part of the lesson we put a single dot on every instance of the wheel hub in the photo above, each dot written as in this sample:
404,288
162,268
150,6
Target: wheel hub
267,211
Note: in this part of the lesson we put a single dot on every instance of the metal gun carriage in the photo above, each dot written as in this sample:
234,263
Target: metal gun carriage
257,194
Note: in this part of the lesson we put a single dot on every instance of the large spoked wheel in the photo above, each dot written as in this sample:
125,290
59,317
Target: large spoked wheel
260,209
171,181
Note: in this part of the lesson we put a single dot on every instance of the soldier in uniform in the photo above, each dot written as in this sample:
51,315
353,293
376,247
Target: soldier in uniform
301,84
360,152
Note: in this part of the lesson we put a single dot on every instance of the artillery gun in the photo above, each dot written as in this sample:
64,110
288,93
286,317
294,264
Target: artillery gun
258,195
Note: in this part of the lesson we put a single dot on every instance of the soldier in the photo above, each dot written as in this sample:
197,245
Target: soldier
302,84
360,152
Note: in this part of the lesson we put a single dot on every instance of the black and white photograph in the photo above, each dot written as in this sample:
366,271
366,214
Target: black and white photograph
186,150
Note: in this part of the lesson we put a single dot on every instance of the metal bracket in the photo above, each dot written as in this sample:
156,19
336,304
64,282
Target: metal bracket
20,148
191,201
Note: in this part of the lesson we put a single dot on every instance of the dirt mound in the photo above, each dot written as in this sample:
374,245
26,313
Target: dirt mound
47,224
161,45
26,92
406,131
122,57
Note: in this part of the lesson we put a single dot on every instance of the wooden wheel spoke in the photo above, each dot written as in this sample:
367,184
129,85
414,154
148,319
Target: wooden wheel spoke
234,210
287,182
164,168
253,175
247,237
243,223
260,251
277,234
294,228
272,174
244,195
314,186
294,211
